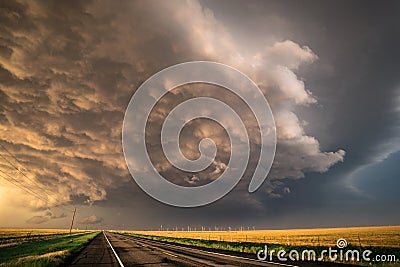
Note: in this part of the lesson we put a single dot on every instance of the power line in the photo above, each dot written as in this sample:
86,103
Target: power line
22,186
28,190
45,198
12,164
12,155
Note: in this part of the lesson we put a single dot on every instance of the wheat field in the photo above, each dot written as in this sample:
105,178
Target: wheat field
14,236
382,236
8,232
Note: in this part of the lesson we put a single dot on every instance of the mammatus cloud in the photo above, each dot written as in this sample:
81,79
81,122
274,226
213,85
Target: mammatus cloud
93,219
273,69
68,71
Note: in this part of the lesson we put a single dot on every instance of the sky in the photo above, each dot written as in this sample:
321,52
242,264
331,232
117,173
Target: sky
329,71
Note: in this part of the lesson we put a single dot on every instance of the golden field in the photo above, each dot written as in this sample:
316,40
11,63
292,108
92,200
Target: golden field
13,232
14,236
382,236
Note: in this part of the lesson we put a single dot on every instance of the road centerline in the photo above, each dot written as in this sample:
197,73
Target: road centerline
115,253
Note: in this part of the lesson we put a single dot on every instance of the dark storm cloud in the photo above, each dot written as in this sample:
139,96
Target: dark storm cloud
356,83
93,219
360,46
68,70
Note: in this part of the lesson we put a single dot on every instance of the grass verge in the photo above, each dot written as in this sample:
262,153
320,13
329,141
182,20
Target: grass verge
52,252
253,248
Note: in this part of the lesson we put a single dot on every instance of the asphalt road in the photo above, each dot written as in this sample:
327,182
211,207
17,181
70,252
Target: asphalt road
131,251
97,253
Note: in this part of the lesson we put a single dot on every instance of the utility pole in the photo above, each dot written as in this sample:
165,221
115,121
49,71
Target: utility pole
72,223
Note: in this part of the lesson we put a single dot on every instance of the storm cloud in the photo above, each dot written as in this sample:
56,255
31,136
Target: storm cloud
69,69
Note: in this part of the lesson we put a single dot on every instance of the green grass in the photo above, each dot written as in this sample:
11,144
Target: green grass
16,236
50,252
252,247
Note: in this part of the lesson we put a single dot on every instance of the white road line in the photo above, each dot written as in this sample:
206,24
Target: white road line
115,253
225,255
